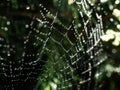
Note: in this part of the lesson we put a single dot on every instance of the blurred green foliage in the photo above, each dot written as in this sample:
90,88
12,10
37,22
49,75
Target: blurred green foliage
15,27
110,71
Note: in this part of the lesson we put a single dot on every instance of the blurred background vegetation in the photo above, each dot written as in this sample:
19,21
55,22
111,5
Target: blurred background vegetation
16,17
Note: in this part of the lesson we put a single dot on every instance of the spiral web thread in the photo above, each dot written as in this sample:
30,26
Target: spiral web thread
62,56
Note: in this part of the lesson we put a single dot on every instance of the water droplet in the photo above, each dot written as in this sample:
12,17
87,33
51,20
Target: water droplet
26,26
8,22
8,54
6,29
28,7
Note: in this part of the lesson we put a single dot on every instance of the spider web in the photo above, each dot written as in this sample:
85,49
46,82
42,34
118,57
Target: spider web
61,55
